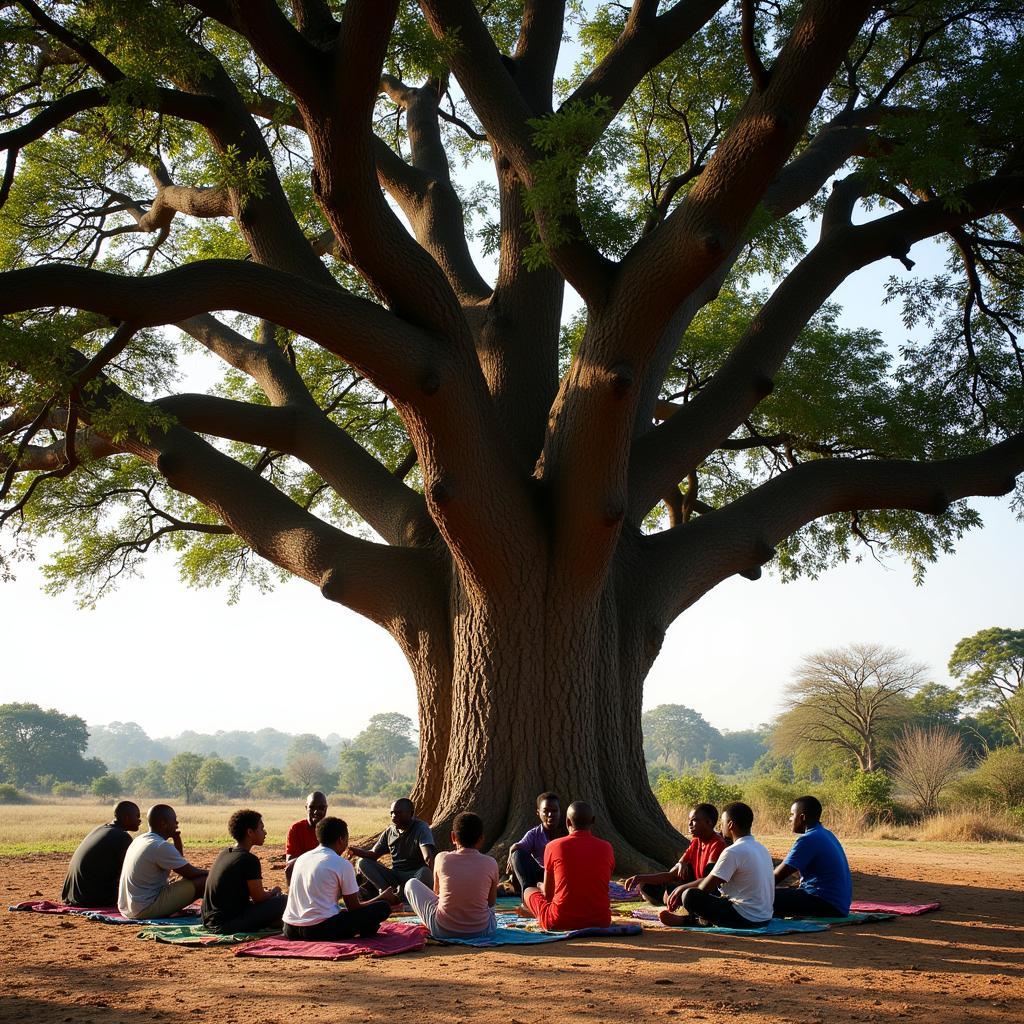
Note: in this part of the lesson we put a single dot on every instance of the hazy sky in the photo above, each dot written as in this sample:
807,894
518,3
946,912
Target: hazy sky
173,659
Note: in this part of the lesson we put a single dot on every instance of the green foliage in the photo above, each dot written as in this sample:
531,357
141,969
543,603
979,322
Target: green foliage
386,741
182,774
35,742
67,790
990,665
107,787
353,771
687,790
218,777
11,795
870,791
677,735
1001,776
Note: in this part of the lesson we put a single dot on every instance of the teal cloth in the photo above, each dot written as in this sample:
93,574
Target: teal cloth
515,931
777,926
118,919
196,935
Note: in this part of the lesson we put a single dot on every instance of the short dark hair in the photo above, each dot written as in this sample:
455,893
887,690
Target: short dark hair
241,821
741,814
708,811
468,828
158,814
330,830
404,801
548,796
122,809
809,806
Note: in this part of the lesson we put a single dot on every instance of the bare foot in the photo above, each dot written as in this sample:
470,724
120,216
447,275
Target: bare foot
523,911
679,920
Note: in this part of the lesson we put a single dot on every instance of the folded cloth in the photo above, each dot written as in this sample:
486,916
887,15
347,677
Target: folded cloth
197,935
619,894
390,940
118,918
505,936
900,909
49,907
854,918
777,926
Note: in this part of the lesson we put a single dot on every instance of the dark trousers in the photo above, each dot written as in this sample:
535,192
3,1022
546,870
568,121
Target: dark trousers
525,871
259,916
794,902
655,894
365,921
717,910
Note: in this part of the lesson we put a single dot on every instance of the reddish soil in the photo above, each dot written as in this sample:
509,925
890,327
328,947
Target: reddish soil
963,963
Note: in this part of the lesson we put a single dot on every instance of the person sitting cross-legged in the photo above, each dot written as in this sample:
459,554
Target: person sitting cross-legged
697,861
577,870
411,845
144,890
526,858
826,887
96,865
744,874
461,905
235,900
319,878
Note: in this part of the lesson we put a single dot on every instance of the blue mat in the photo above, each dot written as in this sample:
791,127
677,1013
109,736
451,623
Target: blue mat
777,926
520,931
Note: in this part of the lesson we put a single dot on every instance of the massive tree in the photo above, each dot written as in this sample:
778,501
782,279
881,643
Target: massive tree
368,212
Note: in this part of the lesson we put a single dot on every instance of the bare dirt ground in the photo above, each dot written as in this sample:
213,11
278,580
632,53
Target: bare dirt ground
964,963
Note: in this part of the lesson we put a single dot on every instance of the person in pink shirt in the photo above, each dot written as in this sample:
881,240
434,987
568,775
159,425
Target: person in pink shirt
461,905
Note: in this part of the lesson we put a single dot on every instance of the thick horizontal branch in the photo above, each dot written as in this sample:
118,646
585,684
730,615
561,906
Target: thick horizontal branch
664,456
689,560
397,357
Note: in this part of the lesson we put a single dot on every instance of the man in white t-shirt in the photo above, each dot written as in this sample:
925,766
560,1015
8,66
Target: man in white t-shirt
319,878
144,890
743,872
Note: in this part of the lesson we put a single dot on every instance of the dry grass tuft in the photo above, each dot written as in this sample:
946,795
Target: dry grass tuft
954,827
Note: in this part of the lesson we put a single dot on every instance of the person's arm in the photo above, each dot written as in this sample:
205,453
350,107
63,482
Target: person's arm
362,851
258,894
191,872
375,852
673,874
176,841
389,896
548,885
428,853
783,871
492,896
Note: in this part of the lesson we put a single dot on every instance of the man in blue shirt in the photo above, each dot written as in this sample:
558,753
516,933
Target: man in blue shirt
825,888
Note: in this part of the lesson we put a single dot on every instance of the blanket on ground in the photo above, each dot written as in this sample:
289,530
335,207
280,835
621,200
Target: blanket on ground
516,931
196,935
900,909
777,926
50,907
391,940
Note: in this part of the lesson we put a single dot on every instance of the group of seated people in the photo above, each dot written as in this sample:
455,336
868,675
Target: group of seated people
562,871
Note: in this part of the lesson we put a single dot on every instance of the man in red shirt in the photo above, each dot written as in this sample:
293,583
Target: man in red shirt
302,835
577,870
696,862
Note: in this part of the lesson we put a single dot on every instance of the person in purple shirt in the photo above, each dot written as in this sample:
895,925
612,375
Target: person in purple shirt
526,858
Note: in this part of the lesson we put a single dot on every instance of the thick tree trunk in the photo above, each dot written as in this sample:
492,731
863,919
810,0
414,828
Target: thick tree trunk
545,694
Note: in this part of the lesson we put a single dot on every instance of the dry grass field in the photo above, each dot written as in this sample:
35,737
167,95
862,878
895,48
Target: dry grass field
58,826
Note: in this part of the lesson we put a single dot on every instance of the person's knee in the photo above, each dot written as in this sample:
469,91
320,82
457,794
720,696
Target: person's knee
689,898
653,894
361,863
199,884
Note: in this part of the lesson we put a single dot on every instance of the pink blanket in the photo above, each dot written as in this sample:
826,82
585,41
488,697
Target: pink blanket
903,909
49,907
392,939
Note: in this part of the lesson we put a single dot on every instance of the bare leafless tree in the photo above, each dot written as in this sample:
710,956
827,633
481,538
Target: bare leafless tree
925,762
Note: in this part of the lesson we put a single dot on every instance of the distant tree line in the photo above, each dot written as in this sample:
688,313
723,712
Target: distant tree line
865,724
44,751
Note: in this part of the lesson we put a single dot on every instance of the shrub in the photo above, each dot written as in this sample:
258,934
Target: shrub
62,790
106,787
687,790
870,791
926,761
1002,775
11,794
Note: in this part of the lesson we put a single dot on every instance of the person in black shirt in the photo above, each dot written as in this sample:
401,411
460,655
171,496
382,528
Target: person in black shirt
96,865
235,900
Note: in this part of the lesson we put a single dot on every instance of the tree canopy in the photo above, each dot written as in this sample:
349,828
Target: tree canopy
35,742
366,213
990,665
